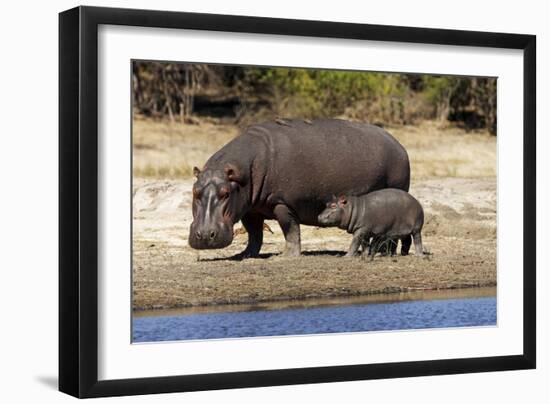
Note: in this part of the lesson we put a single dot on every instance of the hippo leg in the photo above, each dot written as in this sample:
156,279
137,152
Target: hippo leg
418,250
354,246
291,229
383,246
393,246
365,245
374,246
406,245
253,224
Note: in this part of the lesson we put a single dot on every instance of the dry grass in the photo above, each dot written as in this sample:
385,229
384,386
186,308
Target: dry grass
170,150
439,150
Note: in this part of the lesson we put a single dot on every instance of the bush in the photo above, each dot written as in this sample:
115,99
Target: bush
262,93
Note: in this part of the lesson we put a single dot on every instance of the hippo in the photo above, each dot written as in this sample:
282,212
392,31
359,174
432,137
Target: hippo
287,170
385,215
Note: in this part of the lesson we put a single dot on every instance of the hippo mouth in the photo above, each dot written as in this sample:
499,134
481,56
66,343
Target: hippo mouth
327,219
210,239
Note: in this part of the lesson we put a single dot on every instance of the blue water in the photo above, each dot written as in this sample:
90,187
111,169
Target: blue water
402,315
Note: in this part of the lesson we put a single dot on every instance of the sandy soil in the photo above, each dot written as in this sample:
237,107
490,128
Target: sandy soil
459,233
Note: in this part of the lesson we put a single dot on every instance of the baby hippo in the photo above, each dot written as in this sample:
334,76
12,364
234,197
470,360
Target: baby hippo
387,214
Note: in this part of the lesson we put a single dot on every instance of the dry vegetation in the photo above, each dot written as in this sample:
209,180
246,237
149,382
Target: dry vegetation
441,150
170,150
453,177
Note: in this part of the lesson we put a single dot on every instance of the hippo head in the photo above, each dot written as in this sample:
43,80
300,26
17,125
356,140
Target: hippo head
219,201
334,213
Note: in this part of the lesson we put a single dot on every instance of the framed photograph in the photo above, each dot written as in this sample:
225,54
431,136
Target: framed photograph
251,201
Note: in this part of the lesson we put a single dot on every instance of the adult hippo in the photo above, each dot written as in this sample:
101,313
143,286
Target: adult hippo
288,170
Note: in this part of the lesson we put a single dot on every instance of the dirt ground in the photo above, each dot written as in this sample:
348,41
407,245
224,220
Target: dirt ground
459,233
453,177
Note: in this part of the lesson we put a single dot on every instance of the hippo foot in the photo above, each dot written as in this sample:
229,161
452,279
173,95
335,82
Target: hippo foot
288,254
348,255
291,252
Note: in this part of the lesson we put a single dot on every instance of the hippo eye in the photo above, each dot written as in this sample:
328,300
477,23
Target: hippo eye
333,205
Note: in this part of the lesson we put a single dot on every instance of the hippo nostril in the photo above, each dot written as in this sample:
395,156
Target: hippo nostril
212,234
198,234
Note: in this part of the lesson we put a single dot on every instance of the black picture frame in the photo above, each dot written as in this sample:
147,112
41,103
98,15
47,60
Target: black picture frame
78,201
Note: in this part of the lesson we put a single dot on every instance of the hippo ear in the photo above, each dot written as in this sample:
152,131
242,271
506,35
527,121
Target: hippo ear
342,200
234,174
196,171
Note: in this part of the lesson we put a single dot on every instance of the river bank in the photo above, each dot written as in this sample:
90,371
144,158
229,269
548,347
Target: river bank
412,295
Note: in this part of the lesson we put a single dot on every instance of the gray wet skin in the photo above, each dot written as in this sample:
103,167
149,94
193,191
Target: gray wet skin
286,170
388,214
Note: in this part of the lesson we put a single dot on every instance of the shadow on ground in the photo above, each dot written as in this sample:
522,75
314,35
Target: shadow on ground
238,257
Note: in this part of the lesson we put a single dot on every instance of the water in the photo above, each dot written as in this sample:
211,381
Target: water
377,316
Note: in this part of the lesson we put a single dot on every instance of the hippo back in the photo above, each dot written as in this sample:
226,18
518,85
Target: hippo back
306,163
